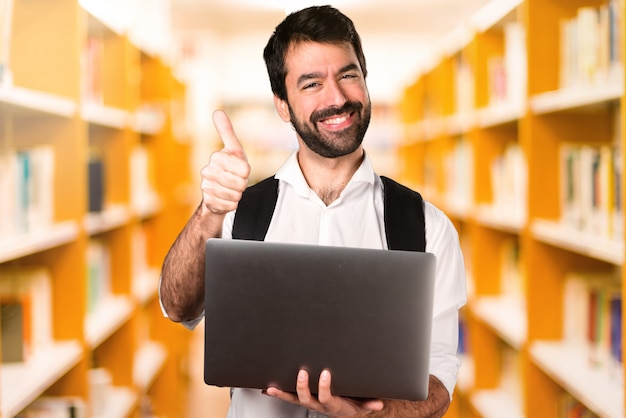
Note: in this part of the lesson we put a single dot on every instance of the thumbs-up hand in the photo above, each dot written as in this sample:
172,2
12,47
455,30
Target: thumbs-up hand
226,176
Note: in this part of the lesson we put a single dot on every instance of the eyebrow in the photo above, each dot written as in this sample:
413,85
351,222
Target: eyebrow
308,76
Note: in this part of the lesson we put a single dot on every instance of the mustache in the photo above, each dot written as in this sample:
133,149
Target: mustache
329,112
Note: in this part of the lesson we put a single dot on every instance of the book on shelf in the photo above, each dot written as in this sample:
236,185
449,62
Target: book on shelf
592,317
96,182
515,62
27,188
511,375
142,192
512,276
463,85
616,31
139,251
55,407
506,74
570,407
590,189
100,384
6,20
143,279
26,299
98,274
458,168
617,221
92,65
509,178
15,328
497,76
463,346
590,49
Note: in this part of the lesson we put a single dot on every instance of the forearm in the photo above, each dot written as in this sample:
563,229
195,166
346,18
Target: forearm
182,275
434,406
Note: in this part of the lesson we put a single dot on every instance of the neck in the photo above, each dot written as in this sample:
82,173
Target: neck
328,176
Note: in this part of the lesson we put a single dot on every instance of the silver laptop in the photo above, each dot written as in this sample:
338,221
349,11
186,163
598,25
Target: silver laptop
272,309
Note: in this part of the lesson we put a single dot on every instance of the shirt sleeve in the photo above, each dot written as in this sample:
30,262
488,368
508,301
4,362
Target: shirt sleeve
450,295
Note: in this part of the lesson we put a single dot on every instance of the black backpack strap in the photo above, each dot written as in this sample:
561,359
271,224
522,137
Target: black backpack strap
404,211
405,227
255,210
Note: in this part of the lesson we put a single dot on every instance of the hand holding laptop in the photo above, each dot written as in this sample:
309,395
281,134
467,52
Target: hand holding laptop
324,402
226,175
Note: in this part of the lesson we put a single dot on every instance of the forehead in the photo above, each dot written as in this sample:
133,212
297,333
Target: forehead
306,56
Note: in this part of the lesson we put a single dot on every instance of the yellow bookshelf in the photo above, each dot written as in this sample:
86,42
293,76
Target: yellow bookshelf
538,133
79,88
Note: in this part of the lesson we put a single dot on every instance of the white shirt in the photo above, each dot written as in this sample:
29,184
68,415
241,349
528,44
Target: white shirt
356,219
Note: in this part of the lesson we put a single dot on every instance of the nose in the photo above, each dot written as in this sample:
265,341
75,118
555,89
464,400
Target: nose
334,95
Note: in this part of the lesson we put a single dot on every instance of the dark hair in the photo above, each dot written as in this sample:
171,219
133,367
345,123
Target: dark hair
323,24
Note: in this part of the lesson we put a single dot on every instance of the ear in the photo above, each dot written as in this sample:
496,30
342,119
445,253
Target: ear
282,108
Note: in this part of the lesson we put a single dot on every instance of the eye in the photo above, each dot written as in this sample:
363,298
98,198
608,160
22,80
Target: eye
310,85
350,76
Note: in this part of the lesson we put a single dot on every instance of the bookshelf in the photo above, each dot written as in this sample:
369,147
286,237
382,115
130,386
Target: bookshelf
92,138
535,191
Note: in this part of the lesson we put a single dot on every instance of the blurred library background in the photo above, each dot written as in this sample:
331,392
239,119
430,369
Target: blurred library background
506,114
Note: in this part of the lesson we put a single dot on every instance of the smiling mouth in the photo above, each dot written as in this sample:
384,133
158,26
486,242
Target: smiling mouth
337,120
337,116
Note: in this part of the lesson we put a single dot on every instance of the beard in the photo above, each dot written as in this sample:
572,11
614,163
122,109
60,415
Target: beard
334,144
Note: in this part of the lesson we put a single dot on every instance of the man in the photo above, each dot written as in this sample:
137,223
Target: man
328,194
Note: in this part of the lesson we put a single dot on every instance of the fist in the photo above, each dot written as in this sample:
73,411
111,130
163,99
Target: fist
226,176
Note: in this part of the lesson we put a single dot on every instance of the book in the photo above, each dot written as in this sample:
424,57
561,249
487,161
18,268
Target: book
56,407
509,178
100,384
31,288
95,168
463,85
143,195
590,45
498,82
590,189
592,320
98,274
14,327
8,185
40,203
615,320
515,63
463,346
570,407
6,21
459,163
92,62
512,277
27,188
617,221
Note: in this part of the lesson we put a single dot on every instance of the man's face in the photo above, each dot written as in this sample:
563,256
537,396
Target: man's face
328,102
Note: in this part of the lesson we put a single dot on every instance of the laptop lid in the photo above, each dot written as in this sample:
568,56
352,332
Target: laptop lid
274,308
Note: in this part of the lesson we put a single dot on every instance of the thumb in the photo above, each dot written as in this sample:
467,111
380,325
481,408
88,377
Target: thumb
227,133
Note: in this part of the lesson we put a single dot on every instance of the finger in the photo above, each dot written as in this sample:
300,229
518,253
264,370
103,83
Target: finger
225,161
227,133
285,396
374,405
324,395
302,388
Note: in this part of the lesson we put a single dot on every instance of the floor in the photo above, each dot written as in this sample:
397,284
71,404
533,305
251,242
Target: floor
204,401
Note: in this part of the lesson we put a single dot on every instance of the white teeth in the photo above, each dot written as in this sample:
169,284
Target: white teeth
336,121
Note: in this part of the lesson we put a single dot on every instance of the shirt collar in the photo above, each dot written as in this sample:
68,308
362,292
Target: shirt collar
291,173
